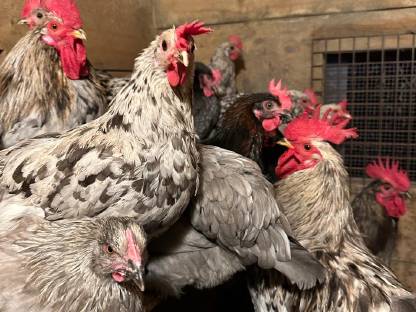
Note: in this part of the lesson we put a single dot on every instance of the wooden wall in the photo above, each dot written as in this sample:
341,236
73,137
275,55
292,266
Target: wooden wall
116,30
277,34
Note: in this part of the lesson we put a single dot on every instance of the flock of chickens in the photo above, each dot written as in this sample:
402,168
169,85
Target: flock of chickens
117,193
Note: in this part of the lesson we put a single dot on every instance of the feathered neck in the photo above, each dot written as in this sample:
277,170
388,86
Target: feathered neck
317,203
32,82
60,265
149,102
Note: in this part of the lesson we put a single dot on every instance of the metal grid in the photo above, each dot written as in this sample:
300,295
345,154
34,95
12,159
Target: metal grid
377,75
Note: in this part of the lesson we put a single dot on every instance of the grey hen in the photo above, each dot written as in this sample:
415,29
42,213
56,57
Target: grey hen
139,159
70,265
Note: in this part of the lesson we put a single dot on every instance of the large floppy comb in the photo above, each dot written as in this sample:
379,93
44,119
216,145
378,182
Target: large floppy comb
282,94
67,10
313,126
389,171
185,31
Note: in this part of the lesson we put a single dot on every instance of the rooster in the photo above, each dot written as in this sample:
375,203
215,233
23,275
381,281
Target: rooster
378,207
69,265
139,159
46,84
314,195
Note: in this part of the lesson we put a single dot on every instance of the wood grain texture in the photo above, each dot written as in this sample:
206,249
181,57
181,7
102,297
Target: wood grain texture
222,12
117,30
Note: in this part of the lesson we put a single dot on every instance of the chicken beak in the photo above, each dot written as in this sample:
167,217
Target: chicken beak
23,22
79,34
136,274
407,195
183,58
285,143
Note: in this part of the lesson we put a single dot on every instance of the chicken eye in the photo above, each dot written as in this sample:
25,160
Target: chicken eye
164,45
307,147
108,249
39,15
269,105
232,48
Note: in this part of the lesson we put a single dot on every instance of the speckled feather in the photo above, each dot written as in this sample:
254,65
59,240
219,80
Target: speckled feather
48,266
36,96
316,203
139,159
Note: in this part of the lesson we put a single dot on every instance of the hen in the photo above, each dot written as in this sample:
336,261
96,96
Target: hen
46,83
378,207
70,265
139,159
205,104
250,126
314,195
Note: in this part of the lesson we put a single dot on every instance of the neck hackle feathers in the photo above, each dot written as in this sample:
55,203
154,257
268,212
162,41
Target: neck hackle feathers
389,171
186,31
308,127
281,93
66,10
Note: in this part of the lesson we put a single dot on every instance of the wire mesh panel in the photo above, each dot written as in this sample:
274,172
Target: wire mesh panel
377,75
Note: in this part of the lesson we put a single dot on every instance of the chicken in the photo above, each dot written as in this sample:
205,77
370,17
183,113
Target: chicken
313,193
224,60
69,265
112,85
205,104
233,223
250,126
46,83
378,207
139,159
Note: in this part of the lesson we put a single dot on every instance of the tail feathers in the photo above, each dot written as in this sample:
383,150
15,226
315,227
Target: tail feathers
403,304
303,269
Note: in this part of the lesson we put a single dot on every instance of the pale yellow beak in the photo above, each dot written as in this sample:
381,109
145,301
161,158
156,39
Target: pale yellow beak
285,143
183,58
79,34
22,22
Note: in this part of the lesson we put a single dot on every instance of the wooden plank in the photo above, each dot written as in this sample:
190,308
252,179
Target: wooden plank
282,49
169,12
116,31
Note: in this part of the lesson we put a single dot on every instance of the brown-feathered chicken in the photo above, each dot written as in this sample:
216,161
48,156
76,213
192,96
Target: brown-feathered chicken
70,265
139,159
379,205
46,83
250,127
314,195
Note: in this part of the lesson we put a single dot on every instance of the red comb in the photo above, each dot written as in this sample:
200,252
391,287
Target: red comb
313,98
389,172
282,94
66,10
236,41
185,31
307,127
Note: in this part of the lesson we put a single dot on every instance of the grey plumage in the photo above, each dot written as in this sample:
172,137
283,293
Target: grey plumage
379,231
139,159
61,266
36,97
235,208
112,85
316,203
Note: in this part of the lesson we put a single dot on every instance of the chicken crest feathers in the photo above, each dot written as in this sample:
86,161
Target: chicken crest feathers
185,31
315,127
282,94
388,171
